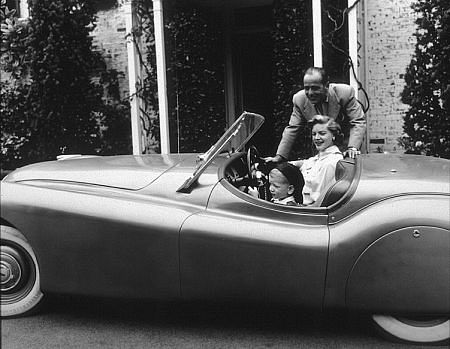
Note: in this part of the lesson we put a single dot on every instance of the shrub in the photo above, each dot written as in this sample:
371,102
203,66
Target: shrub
194,59
291,56
427,88
53,104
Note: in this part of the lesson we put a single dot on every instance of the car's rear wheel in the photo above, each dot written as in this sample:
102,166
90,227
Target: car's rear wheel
419,329
20,278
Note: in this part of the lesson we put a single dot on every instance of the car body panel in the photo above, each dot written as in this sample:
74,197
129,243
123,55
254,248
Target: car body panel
387,175
352,237
214,242
174,227
165,186
389,274
233,250
126,172
100,245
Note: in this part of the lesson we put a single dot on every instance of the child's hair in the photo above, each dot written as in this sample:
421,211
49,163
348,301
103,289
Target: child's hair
294,177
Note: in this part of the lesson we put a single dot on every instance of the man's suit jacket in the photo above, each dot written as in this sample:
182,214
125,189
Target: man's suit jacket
340,104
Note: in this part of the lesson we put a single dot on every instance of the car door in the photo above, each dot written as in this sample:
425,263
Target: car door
249,249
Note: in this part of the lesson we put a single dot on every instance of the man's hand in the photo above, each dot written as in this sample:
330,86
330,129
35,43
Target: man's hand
275,159
297,163
351,152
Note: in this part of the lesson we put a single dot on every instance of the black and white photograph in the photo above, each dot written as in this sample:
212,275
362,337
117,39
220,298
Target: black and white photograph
225,174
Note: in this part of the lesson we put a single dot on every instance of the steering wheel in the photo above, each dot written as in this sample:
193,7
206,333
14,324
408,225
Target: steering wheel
256,164
253,159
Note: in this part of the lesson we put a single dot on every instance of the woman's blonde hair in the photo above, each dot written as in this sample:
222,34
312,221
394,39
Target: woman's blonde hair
332,126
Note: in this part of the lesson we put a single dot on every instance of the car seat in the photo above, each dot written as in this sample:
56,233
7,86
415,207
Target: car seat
345,171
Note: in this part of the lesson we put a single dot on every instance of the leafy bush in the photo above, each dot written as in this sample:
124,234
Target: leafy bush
194,59
195,70
427,91
292,55
195,65
13,45
14,135
53,105
13,84
148,87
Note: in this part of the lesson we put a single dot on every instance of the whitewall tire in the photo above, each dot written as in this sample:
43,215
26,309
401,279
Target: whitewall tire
20,277
430,330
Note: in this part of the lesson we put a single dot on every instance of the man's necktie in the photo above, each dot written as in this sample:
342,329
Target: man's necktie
319,108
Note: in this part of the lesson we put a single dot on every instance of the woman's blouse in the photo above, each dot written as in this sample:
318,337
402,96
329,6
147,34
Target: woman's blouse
318,172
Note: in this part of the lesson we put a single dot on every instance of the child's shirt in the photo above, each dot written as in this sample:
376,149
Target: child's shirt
290,201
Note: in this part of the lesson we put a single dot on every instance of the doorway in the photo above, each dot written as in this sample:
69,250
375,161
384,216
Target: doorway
252,49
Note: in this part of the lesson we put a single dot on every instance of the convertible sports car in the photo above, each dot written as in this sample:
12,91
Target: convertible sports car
182,227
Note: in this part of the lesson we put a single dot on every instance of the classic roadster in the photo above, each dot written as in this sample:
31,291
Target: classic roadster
181,227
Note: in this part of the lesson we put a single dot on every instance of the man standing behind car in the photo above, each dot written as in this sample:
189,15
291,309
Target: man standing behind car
337,101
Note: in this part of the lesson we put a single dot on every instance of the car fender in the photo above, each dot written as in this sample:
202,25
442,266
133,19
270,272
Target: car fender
99,241
407,270
401,235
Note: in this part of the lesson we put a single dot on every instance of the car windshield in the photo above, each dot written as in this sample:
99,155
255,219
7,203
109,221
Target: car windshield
233,140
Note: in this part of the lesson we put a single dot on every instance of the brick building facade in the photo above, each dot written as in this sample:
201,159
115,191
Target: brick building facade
389,44
109,37
386,33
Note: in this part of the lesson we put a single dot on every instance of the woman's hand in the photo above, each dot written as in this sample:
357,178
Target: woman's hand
351,152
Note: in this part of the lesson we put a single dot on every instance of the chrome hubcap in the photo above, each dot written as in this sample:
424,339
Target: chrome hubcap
11,272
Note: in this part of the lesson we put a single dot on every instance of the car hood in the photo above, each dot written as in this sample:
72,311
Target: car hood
125,171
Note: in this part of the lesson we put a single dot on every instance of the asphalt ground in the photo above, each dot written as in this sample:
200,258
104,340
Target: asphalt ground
80,322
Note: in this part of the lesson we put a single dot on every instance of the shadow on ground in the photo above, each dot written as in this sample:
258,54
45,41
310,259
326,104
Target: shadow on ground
254,317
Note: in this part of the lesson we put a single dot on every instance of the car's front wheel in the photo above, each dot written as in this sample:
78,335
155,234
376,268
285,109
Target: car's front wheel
420,329
20,278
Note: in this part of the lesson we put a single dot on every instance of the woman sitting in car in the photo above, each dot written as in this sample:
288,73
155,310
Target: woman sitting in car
319,171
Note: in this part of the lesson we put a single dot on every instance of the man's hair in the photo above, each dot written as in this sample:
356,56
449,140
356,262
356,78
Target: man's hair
323,74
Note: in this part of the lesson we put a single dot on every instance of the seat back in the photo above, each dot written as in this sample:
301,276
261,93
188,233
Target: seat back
345,171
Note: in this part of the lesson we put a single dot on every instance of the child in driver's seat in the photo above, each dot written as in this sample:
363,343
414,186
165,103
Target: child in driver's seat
286,184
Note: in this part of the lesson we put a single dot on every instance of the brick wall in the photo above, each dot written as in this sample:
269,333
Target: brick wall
389,47
109,38
389,44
